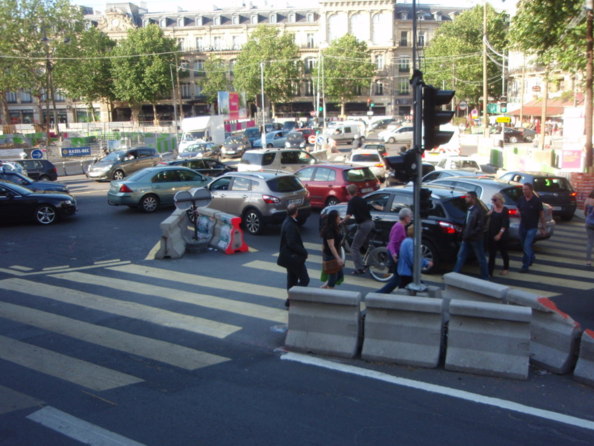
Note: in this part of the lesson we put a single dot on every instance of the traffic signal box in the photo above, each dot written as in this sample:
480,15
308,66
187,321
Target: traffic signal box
404,166
434,116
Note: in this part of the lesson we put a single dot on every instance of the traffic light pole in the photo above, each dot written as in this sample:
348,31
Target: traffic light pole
417,83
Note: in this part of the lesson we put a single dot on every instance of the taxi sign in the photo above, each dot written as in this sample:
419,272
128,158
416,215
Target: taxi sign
503,119
311,139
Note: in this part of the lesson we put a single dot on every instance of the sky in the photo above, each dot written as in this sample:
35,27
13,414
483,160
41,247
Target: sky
194,5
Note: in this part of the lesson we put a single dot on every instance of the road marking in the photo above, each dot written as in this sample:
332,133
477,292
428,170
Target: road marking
156,350
78,268
152,254
102,262
205,281
440,390
203,300
21,268
121,308
64,367
53,268
11,400
78,429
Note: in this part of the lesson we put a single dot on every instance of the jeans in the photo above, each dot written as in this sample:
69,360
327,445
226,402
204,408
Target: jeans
478,246
394,281
493,247
297,276
590,234
359,240
527,237
336,277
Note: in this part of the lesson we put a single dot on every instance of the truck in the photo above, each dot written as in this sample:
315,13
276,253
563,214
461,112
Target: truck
202,129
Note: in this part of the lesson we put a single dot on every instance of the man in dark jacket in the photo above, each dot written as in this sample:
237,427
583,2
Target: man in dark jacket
292,253
473,236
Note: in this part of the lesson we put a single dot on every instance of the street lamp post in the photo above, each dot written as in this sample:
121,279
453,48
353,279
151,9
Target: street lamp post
263,140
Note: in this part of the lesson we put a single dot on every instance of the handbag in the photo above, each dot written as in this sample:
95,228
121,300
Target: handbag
331,266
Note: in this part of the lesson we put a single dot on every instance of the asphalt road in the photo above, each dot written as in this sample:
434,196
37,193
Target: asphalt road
98,340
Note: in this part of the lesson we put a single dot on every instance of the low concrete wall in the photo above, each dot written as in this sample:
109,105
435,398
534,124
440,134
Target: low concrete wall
584,369
462,287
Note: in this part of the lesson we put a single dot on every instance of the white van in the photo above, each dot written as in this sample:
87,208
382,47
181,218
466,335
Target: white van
289,160
345,132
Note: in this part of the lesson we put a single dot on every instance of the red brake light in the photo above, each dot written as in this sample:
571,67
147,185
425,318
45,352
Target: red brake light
514,213
269,199
449,228
125,189
573,194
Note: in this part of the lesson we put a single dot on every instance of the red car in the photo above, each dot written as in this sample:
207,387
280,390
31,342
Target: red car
327,183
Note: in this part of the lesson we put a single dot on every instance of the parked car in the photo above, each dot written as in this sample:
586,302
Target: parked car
259,198
29,183
554,190
289,126
252,133
371,159
298,138
514,135
150,188
201,149
440,174
11,166
442,226
458,163
327,183
209,167
235,145
345,132
42,170
275,138
486,188
399,135
17,203
380,124
275,159
120,164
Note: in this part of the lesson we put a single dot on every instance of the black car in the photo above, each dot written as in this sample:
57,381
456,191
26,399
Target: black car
19,203
554,190
442,225
391,179
40,169
209,167
37,186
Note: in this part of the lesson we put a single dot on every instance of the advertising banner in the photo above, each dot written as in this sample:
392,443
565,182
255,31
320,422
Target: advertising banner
234,105
223,101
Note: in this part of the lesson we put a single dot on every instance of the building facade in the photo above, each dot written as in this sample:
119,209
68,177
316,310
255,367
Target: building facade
384,25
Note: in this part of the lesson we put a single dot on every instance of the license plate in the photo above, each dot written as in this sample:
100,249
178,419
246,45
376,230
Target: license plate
366,189
296,201
557,208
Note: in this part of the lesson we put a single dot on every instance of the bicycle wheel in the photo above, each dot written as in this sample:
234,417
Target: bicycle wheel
378,262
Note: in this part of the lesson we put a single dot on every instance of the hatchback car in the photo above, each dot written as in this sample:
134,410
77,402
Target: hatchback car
458,163
399,135
42,170
442,225
37,186
486,188
17,203
235,145
201,149
299,138
275,138
380,148
327,183
554,190
371,159
150,188
290,160
259,198
209,167
120,164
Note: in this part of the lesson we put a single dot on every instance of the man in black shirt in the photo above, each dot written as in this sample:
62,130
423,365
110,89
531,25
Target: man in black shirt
358,209
531,213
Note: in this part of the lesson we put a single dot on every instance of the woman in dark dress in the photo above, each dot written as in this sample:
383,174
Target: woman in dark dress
498,233
332,238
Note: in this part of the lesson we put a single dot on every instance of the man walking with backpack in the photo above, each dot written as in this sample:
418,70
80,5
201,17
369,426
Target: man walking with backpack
473,236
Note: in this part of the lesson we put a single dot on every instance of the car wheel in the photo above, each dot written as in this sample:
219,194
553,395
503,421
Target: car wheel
45,214
332,201
513,139
252,220
44,178
269,146
391,140
149,203
118,175
429,252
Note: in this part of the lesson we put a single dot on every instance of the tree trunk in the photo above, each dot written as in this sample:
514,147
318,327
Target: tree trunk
342,108
155,116
543,118
4,107
135,108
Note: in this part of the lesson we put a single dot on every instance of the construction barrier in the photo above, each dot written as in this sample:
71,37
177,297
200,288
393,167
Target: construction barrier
554,335
172,244
462,287
403,329
324,321
584,369
488,339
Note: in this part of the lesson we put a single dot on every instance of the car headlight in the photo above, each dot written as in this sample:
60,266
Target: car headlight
68,203
287,144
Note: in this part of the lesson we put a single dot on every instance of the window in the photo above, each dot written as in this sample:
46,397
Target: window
421,40
310,63
358,90
59,96
311,40
404,86
310,17
221,184
379,88
292,17
26,96
273,18
199,67
199,21
235,20
217,43
404,64
163,23
232,63
309,91
199,43
185,175
216,20
306,174
323,174
379,62
181,22
186,90
166,176
254,19
241,184
11,97
403,38
235,42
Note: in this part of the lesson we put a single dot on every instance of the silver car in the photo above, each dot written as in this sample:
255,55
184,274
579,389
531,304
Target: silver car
120,164
259,198
486,188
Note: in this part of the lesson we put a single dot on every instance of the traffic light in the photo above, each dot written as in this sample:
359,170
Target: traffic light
503,104
434,116
425,205
404,166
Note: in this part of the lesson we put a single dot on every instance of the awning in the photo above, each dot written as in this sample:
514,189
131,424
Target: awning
555,108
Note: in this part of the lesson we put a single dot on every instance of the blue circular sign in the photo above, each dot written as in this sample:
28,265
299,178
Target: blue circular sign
36,154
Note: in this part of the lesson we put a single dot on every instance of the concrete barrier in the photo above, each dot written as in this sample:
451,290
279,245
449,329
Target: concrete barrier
403,329
584,369
461,287
172,244
554,335
324,321
488,339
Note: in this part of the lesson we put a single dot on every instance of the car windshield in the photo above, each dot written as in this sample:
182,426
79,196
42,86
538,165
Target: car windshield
512,194
551,184
137,175
251,158
288,183
19,189
233,140
191,136
355,175
114,156
365,158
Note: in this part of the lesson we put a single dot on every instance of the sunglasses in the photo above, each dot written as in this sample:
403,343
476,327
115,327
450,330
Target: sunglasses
494,199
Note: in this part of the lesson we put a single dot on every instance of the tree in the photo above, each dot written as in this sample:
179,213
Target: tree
453,58
142,72
215,79
347,68
281,61
85,72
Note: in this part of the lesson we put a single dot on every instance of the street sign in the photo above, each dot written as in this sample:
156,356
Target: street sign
474,113
36,154
463,105
76,151
320,139
503,119
311,139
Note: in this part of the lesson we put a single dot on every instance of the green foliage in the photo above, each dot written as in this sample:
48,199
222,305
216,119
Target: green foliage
141,67
453,57
553,30
215,79
347,68
282,65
